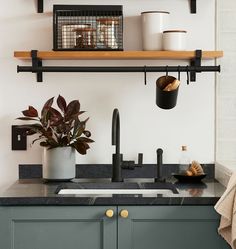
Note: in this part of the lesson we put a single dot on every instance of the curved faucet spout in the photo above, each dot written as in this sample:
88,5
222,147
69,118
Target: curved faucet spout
115,140
115,136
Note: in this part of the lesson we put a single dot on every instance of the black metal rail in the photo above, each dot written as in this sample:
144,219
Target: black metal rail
136,69
39,70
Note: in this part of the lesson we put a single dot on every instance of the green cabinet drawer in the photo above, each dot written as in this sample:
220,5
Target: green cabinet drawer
57,228
169,227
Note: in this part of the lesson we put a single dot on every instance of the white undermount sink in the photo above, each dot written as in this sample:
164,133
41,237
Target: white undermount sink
110,192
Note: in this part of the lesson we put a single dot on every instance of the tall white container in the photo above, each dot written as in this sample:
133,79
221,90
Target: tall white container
153,24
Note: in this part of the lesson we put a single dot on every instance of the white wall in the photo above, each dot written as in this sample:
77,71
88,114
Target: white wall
226,90
144,127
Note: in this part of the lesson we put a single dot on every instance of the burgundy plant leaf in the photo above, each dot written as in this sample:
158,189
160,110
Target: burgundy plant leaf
60,128
55,112
87,133
81,147
76,126
74,116
85,121
47,106
64,141
36,140
55,116
44,144
79,132
31,112
79,128
72,109
55,122
61,102
81,112
35,126
48,103
49,132
52,142
85,139
31,132
32,128
27,118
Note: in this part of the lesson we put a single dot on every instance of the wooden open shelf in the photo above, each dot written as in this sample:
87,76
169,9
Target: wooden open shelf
118,55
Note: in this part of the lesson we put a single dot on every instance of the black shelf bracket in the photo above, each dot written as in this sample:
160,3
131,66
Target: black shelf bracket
196,62
40,6
36,63
193,6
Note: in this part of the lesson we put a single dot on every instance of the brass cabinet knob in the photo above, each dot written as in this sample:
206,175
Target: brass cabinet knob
124,213
109,213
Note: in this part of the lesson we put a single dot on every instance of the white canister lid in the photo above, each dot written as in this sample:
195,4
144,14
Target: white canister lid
175,31
155,11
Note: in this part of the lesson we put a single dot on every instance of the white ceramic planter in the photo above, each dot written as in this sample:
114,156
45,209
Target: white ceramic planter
153,24
59,163
174,40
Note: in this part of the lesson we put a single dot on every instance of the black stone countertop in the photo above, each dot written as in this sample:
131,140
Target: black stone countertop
29,192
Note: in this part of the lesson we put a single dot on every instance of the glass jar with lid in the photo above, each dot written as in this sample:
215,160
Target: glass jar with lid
85,38
108,33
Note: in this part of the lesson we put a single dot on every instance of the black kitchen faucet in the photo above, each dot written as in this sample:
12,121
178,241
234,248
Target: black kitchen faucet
117,157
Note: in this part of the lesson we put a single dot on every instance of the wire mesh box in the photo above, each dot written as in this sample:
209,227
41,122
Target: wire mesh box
87,27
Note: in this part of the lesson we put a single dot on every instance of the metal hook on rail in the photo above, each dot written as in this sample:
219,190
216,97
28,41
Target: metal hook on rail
187,71
167,72
179,73
145,75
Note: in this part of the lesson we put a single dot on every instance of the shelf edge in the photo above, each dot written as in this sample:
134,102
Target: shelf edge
117,55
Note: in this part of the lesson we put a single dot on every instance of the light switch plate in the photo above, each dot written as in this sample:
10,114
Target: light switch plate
18,138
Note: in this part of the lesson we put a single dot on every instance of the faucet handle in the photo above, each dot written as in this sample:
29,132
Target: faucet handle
131,164
140,160
128,164
159,166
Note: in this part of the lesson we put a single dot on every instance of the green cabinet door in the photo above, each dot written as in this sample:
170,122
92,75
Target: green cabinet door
57,228
169,227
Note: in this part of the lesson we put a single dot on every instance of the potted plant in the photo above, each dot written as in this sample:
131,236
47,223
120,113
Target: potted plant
61,133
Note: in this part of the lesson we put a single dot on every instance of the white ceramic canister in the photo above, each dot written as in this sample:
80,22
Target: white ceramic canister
174,40
153,24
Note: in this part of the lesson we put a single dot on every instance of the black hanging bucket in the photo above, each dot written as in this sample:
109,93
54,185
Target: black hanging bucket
166,99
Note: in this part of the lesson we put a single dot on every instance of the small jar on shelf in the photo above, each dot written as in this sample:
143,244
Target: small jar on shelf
85,38
108,32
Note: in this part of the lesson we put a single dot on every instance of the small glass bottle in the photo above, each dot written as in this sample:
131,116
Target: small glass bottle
184,160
